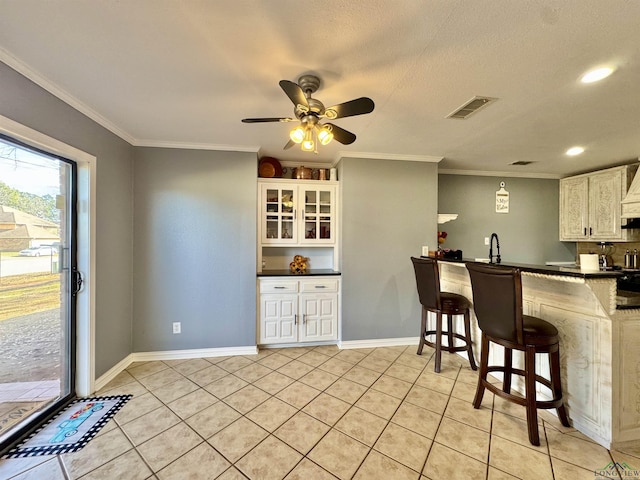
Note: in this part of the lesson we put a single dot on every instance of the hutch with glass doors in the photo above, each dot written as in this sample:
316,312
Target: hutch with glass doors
298,217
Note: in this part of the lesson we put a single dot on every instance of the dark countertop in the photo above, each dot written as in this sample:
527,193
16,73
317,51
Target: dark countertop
288,273
547,269
565,271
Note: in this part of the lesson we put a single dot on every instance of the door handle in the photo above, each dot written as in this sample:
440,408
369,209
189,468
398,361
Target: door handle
304,318
321,286
279,287
76,281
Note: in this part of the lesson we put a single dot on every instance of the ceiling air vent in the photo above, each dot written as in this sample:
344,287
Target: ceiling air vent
520,162
472,106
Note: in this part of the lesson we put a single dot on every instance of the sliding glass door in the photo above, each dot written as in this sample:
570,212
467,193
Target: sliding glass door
38,282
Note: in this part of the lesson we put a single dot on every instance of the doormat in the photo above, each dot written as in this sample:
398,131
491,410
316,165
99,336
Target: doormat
72,428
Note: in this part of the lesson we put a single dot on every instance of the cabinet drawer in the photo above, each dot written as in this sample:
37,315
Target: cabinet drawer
327,285
278,287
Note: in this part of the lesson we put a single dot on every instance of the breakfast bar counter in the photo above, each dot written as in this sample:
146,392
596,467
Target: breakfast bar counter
600,360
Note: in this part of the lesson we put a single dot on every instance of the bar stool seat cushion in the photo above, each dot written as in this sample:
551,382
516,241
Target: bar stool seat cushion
538,332
453,303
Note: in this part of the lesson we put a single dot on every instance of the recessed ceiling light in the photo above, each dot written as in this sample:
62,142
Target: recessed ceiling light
597,74
573,151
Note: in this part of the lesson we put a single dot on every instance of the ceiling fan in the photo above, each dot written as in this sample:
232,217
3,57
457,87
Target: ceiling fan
309,111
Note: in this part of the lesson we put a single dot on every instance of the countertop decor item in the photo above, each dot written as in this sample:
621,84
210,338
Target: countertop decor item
299,264
589,262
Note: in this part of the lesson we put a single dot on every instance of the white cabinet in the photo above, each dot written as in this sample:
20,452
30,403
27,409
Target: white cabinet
298,310
297,212
590,208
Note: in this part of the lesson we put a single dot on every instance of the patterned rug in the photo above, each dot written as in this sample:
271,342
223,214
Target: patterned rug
72,428
13,412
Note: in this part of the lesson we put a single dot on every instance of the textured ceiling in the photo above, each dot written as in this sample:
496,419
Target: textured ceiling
184,73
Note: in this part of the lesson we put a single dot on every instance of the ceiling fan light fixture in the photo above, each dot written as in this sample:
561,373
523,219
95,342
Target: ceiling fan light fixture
308,145
325,135
297,134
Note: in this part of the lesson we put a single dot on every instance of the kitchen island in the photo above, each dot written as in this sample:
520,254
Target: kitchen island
600,358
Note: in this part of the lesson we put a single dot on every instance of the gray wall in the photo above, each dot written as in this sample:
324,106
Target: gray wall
528,233
25,102
388,212
194,249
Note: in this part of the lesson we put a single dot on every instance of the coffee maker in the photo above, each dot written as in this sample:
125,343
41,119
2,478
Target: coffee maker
604,257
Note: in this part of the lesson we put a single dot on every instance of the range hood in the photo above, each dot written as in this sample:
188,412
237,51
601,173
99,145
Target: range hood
631,203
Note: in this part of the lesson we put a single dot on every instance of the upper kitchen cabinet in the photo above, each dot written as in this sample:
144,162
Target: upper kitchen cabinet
590,208
297,212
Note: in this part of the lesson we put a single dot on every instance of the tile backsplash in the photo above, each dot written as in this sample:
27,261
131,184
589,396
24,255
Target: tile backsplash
617,253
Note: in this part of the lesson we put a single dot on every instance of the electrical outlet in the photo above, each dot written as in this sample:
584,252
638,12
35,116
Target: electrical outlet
177,327
425,251
486,240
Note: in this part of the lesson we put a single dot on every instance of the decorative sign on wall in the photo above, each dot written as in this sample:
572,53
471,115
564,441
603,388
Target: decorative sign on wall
502,200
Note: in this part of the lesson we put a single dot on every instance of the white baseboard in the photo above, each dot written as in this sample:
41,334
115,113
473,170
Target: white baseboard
170,355
378,342
193,353
112,373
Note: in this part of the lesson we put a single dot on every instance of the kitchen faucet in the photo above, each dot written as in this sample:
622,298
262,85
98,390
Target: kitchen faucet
494,235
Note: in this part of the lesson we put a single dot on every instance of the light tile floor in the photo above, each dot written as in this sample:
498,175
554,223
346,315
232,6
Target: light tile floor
319,413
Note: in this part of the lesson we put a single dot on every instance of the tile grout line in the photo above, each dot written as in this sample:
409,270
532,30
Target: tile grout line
435,434
314,368
331,427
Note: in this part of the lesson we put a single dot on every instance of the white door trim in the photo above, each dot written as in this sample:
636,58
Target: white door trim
86,234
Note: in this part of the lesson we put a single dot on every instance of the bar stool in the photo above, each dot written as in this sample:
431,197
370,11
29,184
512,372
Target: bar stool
441,303
497,302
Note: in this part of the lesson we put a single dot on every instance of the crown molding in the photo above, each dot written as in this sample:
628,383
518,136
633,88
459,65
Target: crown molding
480,173
390,156
37,78
196,146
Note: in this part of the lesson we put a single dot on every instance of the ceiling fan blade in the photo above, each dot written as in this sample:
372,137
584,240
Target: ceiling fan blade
294,92
341,135
358,106
289,144
262,120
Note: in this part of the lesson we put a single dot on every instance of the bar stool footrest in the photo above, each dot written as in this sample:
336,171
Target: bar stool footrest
447,348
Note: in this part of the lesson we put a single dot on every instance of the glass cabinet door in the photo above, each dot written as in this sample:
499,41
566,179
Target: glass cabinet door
279,214
318,215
